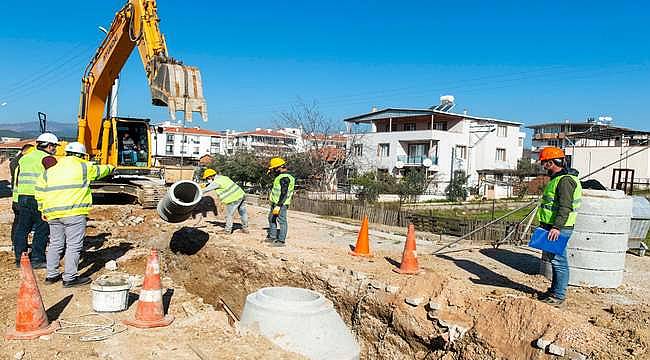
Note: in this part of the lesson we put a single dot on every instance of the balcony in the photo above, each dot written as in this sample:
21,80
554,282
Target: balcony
416,160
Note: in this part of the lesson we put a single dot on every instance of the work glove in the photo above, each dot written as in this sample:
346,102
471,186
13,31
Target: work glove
276,210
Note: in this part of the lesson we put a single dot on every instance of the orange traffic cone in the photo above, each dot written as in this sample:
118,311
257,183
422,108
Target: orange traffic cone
409,263
31,319
150,311
362,248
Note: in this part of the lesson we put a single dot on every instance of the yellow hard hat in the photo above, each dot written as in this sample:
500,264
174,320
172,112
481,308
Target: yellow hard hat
208,172
276,162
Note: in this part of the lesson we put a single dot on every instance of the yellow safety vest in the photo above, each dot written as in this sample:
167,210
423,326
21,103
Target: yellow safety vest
64,189
228,191
29,169
274,196
548,208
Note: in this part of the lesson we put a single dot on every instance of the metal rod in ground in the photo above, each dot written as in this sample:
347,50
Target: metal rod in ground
530,222
496,244
486,225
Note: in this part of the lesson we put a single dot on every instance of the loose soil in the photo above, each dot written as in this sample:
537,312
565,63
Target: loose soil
476,302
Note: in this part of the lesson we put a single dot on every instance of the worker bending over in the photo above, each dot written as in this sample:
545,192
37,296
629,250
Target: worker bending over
29,170
557,214
280,198
231,195
63,194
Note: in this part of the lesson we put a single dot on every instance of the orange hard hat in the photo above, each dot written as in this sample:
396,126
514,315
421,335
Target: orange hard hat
550,153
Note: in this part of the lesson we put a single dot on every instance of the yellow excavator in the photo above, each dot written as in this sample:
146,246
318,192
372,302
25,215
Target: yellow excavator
126,142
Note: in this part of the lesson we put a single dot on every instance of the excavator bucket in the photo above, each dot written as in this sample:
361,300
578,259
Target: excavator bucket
179,87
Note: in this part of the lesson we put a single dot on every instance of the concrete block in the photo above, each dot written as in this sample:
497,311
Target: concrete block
574,355
596,260
414,301
542,343
434,305
111,265
556,349
392,289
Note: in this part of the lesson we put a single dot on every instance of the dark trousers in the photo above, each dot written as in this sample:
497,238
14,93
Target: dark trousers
29,217
14,208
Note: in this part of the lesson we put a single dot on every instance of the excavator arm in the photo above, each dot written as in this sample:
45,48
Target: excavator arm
172,84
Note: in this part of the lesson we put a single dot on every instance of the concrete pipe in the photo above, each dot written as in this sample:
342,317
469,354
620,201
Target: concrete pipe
301,321
180,200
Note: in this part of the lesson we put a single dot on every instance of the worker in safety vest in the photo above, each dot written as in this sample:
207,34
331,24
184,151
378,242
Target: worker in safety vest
64,198
231,195
280,198
557,214
29,169
13,164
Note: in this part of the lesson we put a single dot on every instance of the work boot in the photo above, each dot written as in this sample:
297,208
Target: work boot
245,231
544,295
278,243
268,240
52,280
77,281
553,301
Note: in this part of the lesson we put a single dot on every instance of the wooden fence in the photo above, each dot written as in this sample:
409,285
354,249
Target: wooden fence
401,218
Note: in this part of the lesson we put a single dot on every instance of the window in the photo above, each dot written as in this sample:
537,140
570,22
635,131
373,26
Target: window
501,154
409,127
170,137
498,177
461,152
358,150
196,150
184,139
502,131
383,150
169,150
440,126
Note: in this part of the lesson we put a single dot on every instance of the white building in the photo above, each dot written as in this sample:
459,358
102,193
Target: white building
597,147
267,141
399,139
189,143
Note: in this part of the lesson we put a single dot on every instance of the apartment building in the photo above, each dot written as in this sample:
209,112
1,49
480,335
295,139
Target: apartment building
189,143
267,141
596,145
438,141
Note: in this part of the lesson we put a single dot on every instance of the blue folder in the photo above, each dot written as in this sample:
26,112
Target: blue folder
540,240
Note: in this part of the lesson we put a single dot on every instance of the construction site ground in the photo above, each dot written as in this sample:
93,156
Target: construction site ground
473,302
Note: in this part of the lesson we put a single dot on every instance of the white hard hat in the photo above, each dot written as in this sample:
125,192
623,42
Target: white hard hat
75,147
47,138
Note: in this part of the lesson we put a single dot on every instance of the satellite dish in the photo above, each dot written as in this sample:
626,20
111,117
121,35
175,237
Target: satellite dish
427,162
399,164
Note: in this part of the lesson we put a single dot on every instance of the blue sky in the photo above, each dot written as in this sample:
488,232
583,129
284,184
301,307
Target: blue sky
523,61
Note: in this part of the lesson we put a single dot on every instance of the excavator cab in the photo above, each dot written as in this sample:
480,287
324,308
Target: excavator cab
132,144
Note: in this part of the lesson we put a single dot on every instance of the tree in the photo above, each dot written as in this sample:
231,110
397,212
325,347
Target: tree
526,167
368,186
244,168
457,189
412,184
326,150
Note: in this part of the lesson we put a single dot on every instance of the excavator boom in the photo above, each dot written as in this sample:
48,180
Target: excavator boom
172,84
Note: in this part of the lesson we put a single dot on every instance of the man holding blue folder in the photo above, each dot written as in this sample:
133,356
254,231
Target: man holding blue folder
557,214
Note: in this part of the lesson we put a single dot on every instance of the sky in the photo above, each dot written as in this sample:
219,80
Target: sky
532,62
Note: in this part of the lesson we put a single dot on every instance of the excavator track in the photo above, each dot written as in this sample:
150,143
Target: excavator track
146,191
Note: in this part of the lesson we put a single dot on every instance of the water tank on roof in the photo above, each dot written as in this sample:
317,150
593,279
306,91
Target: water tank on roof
596,250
